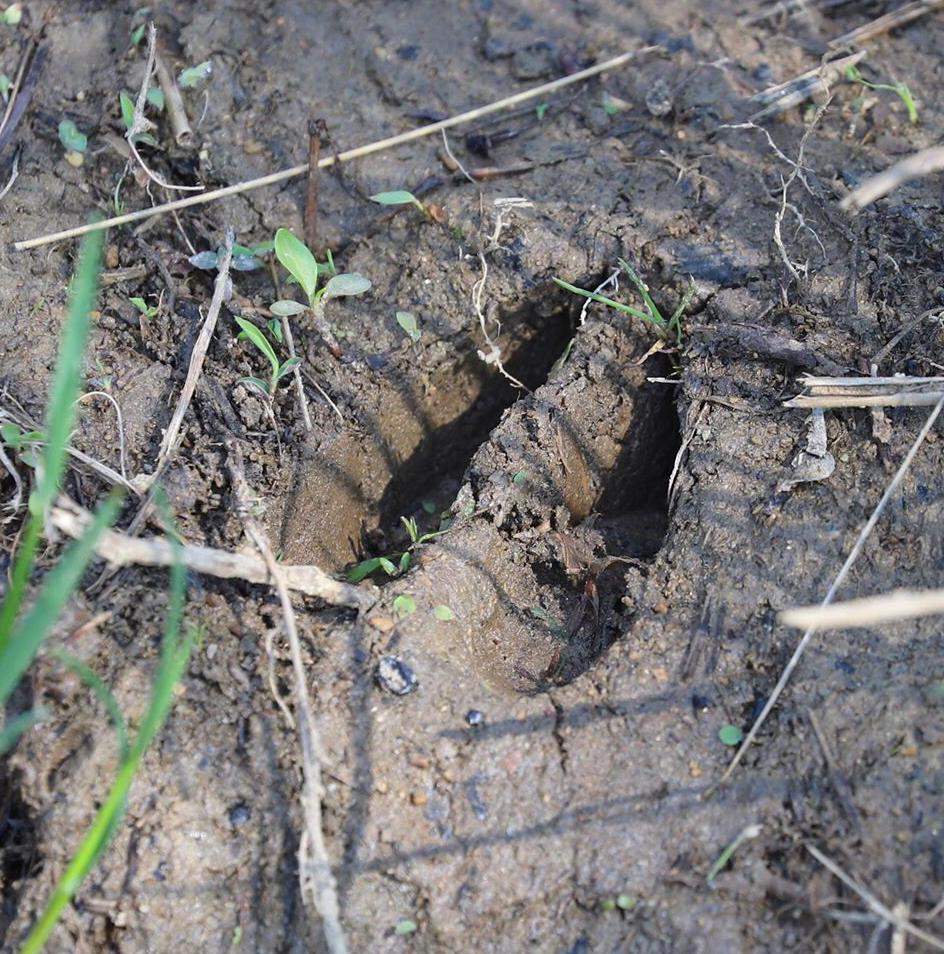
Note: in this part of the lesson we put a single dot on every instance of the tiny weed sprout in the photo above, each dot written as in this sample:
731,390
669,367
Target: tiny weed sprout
901,90
146,310
541,110
244,259
405,927
155,96
407,321
398,197
127,117
404,605
5,85
278,370
12,15
193,76
71,138
297,258
396,564
443,613
667,329
137,34
730,735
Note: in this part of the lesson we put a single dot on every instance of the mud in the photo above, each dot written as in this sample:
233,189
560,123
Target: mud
616,550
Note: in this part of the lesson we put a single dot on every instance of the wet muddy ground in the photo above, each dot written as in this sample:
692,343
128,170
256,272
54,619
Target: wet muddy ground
562,732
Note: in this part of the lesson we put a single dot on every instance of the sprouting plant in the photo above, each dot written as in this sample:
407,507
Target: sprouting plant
402,197
244,259
901,90
302,266
5,86
407,321
127,117
193,76
71,138
12,15
146,310
667,329
279,369
396,564
25,444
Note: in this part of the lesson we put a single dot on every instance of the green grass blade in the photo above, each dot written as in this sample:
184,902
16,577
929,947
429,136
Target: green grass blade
259,340
16,726
59,585
97,685
643,290
596,296
60,415
175,655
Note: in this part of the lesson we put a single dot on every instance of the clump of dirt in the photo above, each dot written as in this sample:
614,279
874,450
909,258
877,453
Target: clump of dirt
605,597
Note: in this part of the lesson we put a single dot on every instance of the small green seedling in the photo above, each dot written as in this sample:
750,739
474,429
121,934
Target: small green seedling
5,86
746,834
127,117
146,310
405,927
71,138
404,605
396,564
407,321
302,266
193,76
12,15
402,197
541,110
443,613
667,329
155,96
137,34
901,90
625,902
27,445
278,369
244,259
730,735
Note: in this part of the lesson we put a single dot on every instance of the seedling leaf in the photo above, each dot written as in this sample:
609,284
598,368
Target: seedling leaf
195,75
404,605
348,284
730,735
388,566
286,308
443,613
404,927
256,384
288,367
127,109
396,197
204,260
405,560
299,261
70,136
407,321
363,570
258,339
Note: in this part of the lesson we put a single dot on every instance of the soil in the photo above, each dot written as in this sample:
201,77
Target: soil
618,547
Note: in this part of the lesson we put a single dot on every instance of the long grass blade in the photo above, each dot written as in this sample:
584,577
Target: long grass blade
60,415
175,655
59,585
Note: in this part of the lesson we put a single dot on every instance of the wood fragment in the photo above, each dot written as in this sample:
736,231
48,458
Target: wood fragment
884,24
868,611
120,549
897,391
922,163
173,102
314,865
317,130
382,144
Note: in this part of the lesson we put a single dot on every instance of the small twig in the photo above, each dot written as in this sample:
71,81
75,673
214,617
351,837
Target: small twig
121,426
379,146
836,777
867,611
16,501
153,256
784,96
315,872
141,124
456,163
913,167
296,374
873,903
220,293
14,174
891,21
120,549
837,582
897,391
25,86
316,131
173,102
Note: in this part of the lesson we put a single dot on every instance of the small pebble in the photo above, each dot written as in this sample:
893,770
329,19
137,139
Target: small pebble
475,718
111,256
395,676
419,798
252,147
239,815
